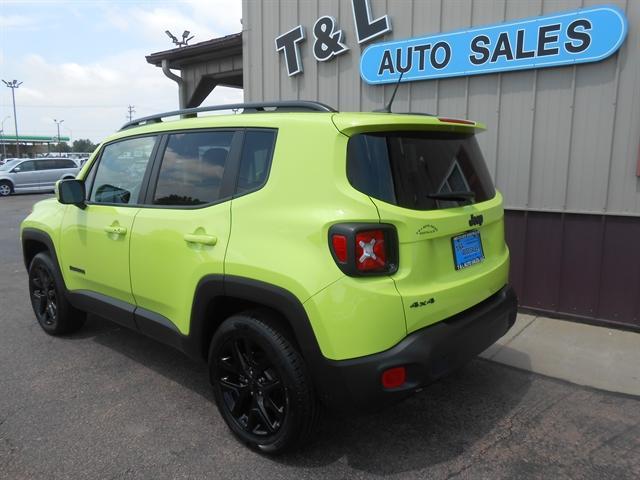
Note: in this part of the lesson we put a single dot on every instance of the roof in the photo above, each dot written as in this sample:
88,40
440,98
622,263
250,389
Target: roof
198,52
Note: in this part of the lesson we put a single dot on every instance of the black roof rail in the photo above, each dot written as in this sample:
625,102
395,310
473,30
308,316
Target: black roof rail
253,107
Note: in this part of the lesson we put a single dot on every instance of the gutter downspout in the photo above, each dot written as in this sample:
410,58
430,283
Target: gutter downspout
182,87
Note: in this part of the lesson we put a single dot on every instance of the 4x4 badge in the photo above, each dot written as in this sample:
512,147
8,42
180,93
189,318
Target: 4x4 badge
422,303
475,220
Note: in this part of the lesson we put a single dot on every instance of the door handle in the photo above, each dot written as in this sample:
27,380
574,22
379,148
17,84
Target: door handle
201,238
116,229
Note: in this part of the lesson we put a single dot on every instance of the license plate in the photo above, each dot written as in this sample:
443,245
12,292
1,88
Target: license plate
467,249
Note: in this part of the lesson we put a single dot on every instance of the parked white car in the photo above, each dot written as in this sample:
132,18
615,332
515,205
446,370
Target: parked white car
35,174
5,160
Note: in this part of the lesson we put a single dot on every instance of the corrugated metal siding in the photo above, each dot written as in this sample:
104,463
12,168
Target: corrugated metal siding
558,139
582,266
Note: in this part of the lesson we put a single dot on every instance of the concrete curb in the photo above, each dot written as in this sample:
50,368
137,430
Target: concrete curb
583,354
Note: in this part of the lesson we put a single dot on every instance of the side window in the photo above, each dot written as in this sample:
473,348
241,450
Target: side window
118,178
47,164
89,178
67,164
256,159
192,168
28,166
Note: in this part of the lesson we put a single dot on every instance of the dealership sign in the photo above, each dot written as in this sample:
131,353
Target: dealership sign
328,38
566,38
579,36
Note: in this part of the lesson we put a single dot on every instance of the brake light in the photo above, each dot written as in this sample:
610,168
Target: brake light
394,377
371,255
456,120
361,249
339,244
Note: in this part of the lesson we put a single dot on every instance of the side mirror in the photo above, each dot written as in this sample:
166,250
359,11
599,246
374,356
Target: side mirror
71,192
15,170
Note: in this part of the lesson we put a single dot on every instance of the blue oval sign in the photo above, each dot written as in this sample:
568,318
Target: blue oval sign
579,36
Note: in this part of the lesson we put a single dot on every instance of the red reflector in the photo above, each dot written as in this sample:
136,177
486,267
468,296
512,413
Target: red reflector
371,254
456,120
339,244
394,377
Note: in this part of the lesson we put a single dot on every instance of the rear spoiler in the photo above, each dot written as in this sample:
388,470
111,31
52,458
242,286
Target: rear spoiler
351,124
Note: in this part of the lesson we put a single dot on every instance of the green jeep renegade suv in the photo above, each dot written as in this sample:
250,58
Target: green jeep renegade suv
312,257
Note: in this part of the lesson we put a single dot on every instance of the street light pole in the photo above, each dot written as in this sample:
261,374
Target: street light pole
58,122
4,146
13,85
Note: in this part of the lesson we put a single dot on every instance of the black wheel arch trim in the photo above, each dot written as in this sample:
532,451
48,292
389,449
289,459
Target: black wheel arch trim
40,236
268,295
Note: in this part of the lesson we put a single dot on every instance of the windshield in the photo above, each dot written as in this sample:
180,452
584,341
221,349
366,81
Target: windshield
419,170
9,165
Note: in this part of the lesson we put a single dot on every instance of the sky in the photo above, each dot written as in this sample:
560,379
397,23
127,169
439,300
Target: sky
83,61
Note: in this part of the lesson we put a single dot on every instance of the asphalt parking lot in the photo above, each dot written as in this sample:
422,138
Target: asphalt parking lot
109,403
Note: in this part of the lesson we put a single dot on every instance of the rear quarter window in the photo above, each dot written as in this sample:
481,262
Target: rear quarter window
419,170
256,160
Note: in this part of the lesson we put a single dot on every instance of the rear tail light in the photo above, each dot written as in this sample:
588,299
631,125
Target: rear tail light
371,252
339,244
361,249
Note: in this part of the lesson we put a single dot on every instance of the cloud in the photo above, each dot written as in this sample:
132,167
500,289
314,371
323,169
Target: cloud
204,19
16,21
32,94
93,98
223,15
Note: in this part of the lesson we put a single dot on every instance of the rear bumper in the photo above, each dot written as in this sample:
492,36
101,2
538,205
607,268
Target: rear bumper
428,354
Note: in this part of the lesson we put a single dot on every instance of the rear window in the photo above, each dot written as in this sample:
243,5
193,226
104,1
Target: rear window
419,170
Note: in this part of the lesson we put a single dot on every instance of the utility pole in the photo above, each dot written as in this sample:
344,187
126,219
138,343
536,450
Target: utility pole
58,122
13,85
132,110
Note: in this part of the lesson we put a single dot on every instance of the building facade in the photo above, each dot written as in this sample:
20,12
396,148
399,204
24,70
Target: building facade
562,142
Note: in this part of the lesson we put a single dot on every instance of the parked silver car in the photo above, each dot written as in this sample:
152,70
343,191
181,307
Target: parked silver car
35,174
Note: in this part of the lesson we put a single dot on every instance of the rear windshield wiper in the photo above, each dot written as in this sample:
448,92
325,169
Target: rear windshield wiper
458,196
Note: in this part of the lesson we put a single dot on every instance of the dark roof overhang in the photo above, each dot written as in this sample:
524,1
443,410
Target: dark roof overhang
199,52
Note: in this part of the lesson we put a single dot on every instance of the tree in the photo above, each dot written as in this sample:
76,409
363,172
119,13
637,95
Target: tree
62,147
83,145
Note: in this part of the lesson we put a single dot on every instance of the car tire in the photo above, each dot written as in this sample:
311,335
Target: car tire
53,311
260,383
6,188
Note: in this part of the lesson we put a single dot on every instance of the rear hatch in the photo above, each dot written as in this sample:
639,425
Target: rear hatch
430,181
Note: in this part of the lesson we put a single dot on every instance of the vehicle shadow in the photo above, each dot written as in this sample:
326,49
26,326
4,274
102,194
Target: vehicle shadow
452,417
160,358
448,419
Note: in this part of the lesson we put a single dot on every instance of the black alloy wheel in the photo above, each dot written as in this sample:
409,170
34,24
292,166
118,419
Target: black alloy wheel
260,382
251,387
55,314
43,296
